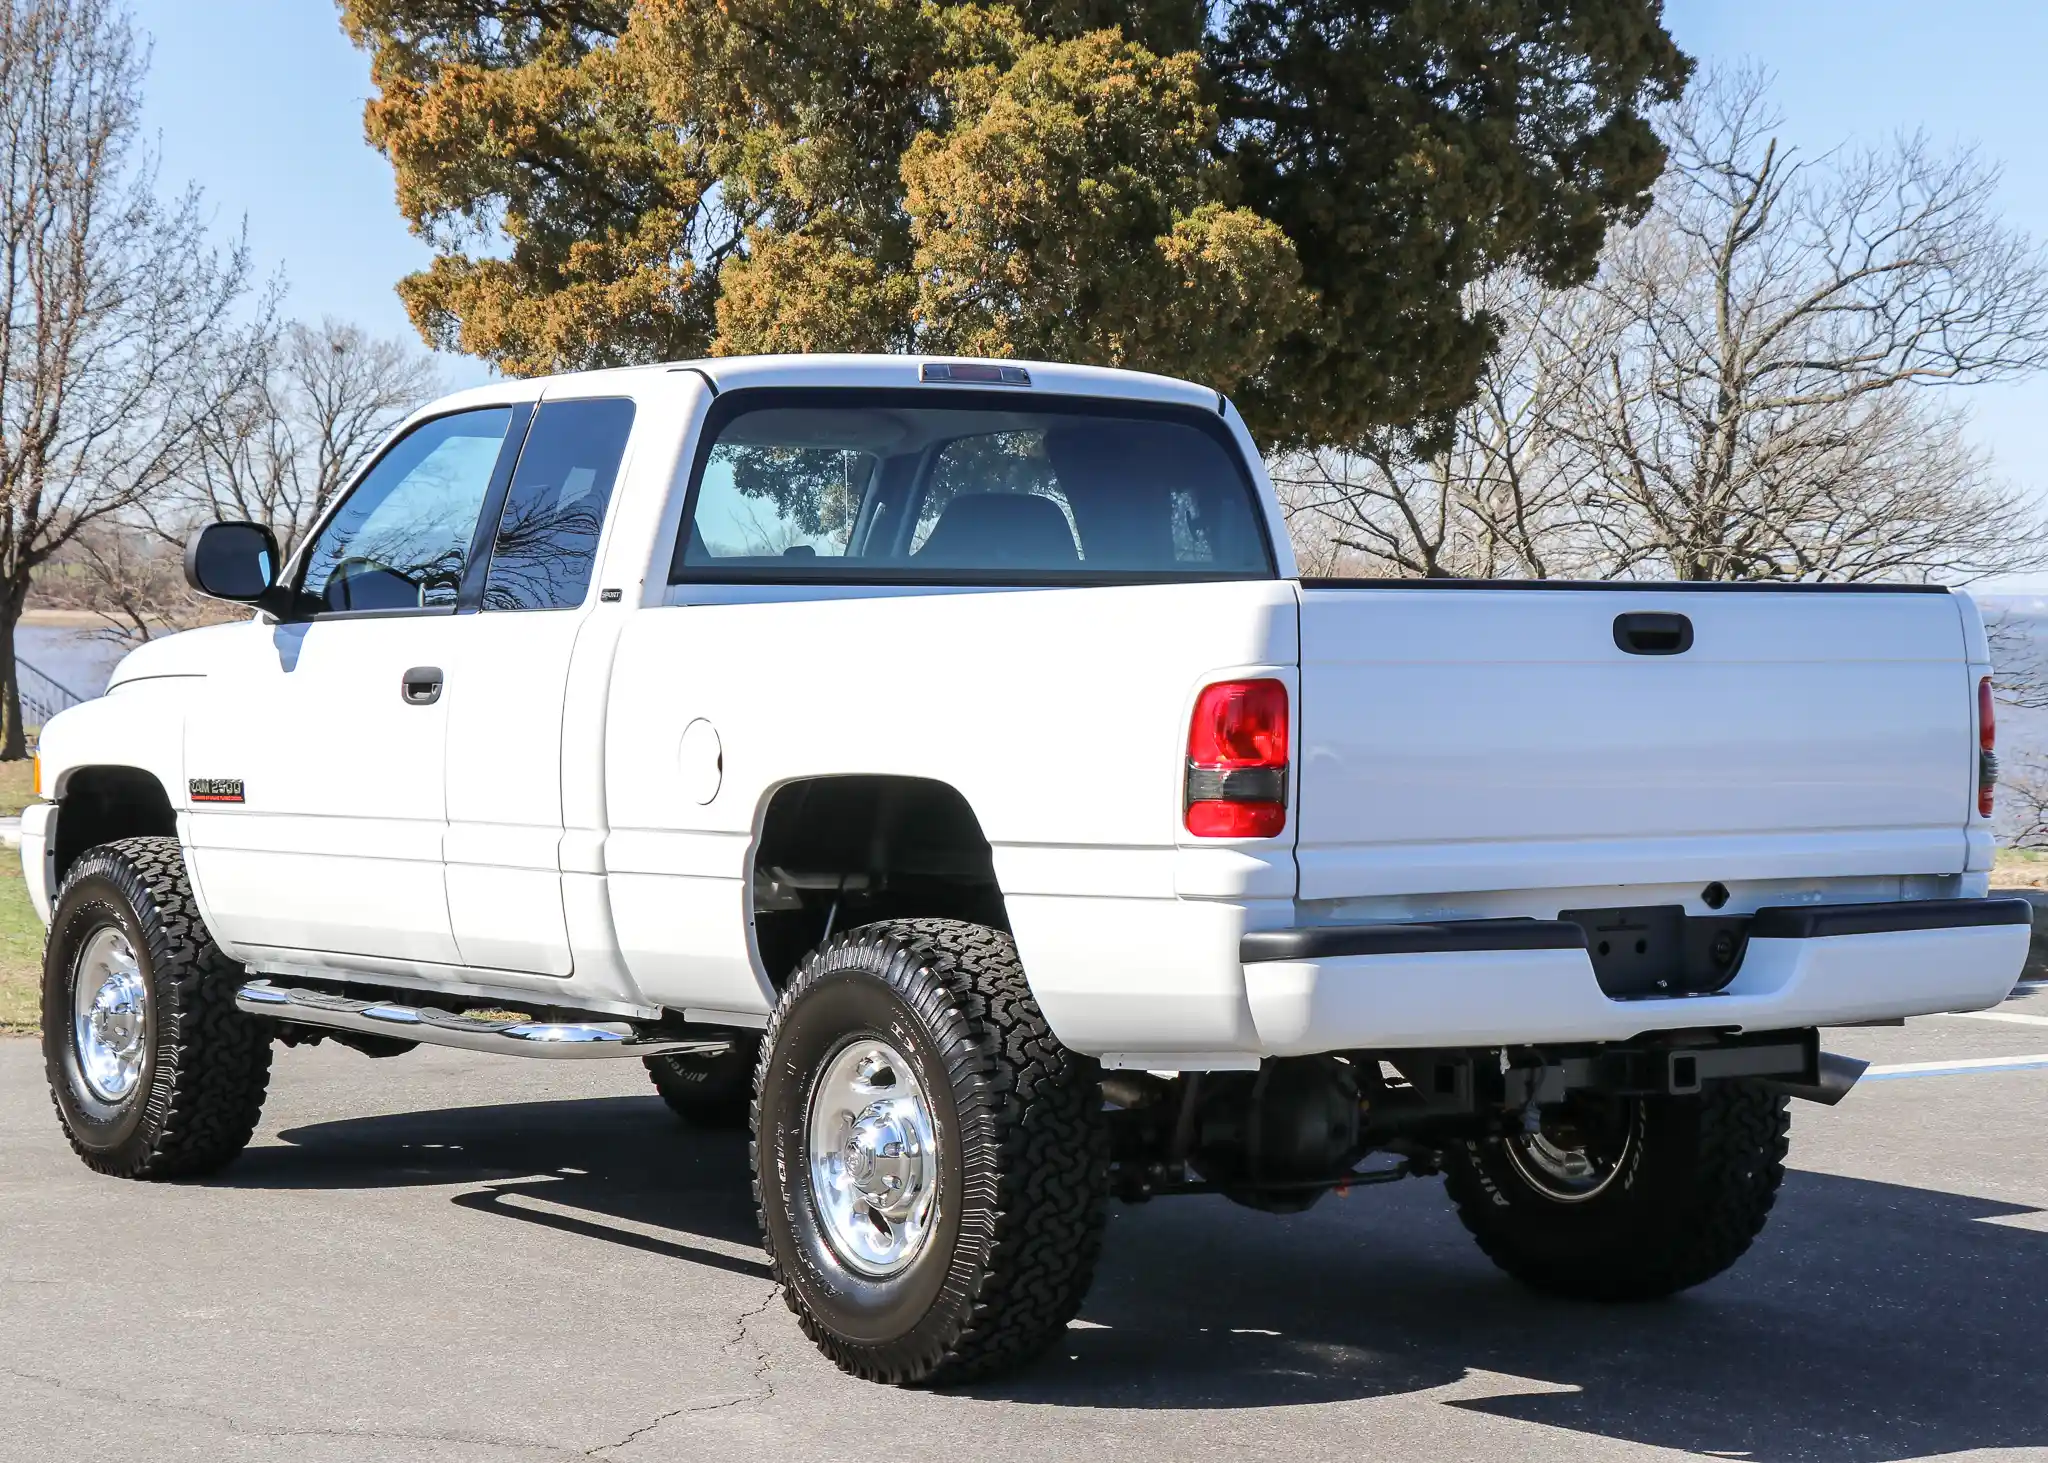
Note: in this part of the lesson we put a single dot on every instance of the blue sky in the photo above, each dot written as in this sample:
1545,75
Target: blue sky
261,105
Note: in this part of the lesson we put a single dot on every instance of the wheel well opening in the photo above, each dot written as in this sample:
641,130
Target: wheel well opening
101,804
843,851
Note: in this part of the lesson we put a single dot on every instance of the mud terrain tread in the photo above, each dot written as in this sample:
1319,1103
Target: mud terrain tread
1695,1218
1035,1149
212,1066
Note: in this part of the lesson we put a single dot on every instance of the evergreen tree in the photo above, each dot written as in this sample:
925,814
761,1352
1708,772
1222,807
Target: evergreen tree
1285,200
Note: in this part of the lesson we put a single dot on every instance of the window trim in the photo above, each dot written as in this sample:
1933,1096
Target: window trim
413,611
474,583
508,452
730,404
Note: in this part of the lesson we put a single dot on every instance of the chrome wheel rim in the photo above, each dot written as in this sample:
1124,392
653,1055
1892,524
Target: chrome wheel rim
109,1015
874,1159
1571,1167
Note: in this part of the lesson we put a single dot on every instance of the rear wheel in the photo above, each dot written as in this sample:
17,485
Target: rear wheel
154,1072
1626,1198
709,1092
930,1163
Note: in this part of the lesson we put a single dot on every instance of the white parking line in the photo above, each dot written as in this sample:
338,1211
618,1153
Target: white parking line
2017,1018
2034,1061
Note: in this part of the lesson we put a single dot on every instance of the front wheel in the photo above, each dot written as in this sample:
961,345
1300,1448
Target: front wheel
1626,1198
930,1163
154,1072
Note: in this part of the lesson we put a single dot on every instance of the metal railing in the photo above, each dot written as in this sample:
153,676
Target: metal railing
42,694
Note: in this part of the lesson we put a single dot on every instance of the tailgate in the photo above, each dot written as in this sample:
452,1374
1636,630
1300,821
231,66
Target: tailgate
1489,739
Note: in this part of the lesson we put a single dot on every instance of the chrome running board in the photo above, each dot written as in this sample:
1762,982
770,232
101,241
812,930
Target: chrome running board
553,1040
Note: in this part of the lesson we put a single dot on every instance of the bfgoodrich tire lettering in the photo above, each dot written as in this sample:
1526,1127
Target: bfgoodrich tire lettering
1691,1194
1023,1155
204,1065
709,1092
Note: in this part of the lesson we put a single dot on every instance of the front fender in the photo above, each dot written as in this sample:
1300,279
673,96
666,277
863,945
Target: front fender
139,724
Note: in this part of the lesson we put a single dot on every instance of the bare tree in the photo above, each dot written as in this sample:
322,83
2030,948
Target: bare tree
1318,554
114,304
1772,329
1502,498
278,442
131,578
1754,386
287,420
2023,806
2019,669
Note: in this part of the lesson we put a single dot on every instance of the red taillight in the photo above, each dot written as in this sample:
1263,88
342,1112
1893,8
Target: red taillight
1237,761
1240,724
1218,819
1987,748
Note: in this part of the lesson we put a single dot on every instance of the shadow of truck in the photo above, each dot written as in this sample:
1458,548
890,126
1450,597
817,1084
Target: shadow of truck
1872,1321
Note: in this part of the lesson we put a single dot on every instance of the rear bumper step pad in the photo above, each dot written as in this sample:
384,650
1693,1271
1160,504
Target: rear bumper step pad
1773,922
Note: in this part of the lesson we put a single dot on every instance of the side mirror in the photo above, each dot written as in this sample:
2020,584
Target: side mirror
232,561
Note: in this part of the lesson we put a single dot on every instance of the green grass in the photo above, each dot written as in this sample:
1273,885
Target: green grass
17,787
21,951
2020,868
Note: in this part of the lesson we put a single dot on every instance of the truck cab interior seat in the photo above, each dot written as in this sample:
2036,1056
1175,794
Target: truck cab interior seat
1001,530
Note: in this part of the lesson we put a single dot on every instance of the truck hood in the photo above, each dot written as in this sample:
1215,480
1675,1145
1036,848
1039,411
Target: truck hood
187,653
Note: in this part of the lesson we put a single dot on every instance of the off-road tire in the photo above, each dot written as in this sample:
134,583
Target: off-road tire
1691,1198
709,1092
205,1065
1023,1154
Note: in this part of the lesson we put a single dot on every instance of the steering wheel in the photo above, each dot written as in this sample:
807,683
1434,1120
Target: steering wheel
366,584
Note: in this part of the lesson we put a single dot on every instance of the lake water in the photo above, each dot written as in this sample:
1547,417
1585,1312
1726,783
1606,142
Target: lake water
69,655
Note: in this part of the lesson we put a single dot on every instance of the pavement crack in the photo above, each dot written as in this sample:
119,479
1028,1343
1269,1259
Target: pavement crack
764,1387
743,1335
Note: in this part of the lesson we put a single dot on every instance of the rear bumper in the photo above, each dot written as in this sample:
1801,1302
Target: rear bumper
1521,982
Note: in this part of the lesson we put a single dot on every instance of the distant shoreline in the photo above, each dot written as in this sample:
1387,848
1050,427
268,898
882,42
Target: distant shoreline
74,619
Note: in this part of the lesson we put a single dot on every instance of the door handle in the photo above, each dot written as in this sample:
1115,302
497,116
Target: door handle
421,686
1649,632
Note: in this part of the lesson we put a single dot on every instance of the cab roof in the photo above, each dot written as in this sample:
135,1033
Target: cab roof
731,373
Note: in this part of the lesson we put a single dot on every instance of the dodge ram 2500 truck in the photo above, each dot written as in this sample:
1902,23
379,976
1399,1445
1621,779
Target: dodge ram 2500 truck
940,766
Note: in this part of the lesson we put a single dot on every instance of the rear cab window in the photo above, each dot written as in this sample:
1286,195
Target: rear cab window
961,487
546,541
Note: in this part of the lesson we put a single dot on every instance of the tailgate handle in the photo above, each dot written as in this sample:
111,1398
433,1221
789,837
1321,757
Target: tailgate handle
1653,632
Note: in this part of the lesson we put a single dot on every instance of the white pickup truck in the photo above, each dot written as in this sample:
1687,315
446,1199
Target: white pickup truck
944,758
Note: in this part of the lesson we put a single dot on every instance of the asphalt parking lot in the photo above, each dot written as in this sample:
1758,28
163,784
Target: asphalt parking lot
446,1257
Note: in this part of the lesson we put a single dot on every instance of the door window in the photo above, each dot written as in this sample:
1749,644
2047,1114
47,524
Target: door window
546,544
402,539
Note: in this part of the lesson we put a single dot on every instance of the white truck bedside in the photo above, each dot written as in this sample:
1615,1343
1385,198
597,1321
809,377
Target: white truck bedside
945,759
